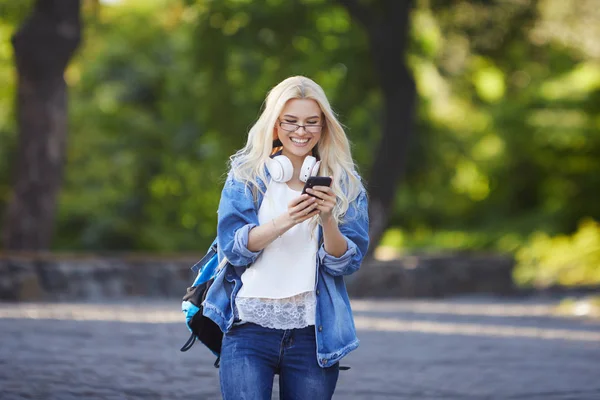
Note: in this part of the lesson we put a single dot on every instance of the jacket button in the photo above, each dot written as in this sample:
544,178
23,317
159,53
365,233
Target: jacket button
318,293
320,328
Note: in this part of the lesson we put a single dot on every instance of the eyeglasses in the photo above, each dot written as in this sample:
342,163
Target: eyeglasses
289,127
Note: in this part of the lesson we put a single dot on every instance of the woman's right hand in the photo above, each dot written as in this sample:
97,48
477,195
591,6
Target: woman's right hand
302,208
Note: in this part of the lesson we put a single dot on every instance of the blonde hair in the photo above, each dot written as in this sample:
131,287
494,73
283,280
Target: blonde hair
249,163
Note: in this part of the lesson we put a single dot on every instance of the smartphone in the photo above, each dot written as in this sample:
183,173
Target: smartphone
316,181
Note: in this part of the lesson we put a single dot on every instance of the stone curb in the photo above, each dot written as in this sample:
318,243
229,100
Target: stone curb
48,277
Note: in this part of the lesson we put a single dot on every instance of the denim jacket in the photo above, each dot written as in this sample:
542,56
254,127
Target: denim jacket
334,324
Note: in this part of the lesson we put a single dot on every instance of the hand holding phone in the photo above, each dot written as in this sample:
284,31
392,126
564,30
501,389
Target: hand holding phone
316,181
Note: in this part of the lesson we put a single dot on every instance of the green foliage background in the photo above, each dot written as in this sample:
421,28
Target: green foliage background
507,143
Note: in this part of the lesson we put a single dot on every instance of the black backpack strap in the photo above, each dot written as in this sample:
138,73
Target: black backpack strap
217,363
190,342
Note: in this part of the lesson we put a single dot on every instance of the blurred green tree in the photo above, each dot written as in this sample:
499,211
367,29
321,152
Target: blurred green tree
507,116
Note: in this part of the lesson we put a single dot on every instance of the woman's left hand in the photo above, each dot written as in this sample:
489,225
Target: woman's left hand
326,200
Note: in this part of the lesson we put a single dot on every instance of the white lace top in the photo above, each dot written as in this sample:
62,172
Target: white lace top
289,313
278,289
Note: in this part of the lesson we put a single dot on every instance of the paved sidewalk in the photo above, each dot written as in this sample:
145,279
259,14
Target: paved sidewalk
456,349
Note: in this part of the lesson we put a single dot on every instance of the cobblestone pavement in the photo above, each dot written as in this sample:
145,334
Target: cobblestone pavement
454,349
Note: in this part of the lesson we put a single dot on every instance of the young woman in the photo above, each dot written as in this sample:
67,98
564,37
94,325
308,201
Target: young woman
280,299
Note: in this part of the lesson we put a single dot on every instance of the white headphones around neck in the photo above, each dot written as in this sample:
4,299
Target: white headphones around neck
281,168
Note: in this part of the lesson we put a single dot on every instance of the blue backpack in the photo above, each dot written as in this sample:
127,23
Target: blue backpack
201,327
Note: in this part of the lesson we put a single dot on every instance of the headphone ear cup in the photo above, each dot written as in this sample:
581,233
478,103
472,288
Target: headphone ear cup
307,168
280,168
315,169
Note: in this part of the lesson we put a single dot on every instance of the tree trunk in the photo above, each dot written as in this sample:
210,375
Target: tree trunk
390,158
43,48
387,26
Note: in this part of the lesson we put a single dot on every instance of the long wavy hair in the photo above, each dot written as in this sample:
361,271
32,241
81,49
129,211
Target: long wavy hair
248,164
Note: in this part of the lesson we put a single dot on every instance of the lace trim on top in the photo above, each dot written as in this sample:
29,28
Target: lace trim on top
288,313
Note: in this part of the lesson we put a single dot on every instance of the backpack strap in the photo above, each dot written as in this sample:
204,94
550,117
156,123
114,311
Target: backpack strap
190,342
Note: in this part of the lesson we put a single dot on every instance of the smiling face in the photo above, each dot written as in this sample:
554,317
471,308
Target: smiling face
299,143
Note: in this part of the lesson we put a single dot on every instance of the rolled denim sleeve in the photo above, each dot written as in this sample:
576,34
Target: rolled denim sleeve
337,262
240,242
356,232
237,216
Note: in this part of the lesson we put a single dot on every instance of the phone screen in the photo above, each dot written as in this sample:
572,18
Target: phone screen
316,181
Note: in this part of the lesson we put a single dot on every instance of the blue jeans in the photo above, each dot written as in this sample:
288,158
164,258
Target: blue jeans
251,355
